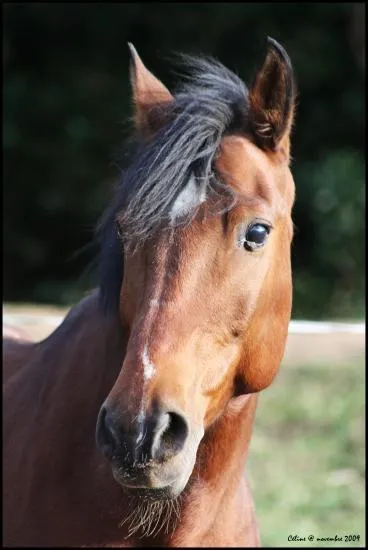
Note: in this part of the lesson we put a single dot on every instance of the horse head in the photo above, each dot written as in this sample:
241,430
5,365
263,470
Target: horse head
201,229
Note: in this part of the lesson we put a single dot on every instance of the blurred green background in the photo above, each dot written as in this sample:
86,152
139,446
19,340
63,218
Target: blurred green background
307,463
66,105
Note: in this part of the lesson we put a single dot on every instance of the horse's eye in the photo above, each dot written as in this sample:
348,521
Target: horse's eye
256,236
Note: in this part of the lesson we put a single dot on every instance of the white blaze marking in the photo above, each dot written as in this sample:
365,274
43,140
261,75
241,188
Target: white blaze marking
148,366
148,371
188,198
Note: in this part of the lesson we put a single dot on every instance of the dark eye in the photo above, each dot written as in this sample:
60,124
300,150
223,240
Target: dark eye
256,236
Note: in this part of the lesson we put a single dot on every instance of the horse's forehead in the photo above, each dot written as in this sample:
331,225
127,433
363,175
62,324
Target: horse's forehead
246,167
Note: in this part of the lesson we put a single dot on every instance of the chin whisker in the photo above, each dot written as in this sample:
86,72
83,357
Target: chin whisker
150,517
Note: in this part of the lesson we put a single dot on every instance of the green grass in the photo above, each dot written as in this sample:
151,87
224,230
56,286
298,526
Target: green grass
306,464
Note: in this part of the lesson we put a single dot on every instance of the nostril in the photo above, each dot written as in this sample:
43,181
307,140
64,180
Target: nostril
171,439
177,431
105,436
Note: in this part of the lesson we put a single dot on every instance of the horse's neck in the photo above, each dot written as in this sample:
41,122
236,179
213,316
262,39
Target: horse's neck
227,441
16,354
69,374
84,355
218,491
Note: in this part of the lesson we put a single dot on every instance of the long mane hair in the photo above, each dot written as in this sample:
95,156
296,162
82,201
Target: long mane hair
210,103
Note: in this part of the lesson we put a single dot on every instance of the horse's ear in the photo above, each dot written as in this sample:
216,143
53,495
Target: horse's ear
265,340
149,96
272,100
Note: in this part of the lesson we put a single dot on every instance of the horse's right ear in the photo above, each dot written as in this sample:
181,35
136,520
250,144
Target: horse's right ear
150,96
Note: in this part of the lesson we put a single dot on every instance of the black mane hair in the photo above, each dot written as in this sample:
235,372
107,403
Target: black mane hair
211,103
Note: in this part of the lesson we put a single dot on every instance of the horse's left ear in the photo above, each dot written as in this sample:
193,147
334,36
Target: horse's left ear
149,96
272,100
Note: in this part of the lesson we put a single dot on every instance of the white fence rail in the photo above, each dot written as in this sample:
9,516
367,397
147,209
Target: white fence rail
308,343
295,327
323,327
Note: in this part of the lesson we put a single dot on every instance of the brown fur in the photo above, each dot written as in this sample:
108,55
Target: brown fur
68,496
16,348
214,318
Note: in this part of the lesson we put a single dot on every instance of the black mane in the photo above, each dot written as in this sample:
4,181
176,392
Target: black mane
210,103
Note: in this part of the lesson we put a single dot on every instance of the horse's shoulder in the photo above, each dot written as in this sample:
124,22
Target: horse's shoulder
17,352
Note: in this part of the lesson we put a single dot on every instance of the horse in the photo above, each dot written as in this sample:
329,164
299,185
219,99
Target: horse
129,426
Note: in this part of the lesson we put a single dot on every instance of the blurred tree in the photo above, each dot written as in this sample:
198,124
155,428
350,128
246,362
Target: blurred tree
67,100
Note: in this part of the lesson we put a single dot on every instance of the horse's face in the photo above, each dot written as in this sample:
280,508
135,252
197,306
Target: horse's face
207,307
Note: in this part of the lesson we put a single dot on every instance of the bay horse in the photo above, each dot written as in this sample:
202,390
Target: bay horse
129,426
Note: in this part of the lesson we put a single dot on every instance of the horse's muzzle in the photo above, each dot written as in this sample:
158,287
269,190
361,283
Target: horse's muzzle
158,436
150,455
